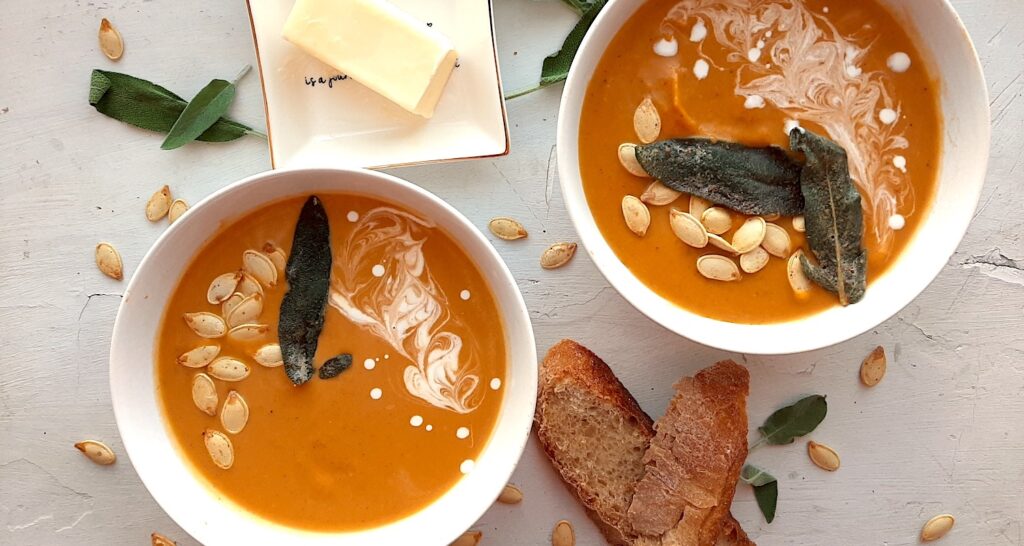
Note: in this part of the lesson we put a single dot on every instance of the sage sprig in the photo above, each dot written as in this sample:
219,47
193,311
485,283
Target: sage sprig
149,106
209,104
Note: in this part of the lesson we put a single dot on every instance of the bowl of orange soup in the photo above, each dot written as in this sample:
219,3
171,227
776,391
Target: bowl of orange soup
773,176
323,357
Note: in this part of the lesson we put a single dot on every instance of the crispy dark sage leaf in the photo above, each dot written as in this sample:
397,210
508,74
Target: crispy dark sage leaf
766,489
791,422
556,66
333,367
308,274
746,179
833,216
147,105
209,104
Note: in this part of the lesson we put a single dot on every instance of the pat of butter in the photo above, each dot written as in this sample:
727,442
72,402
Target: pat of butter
378,45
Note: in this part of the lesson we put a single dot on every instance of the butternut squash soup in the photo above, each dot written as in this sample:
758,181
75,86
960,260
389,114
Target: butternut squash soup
758,161
331,363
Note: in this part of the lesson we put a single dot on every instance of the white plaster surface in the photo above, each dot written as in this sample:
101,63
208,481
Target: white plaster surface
943,433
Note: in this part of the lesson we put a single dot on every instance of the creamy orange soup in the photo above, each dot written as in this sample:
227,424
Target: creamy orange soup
388,435
748,71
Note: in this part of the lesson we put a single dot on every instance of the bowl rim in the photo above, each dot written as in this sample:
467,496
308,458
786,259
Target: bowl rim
512,308
758,339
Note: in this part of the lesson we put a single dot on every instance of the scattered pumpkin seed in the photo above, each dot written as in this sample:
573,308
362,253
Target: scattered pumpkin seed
776,241
246,311
698,205
220,448
111,43
688,229
717,220
627,157
230,303
825,457
276,255
222,287
199,357
754,261
510,495
227,368
234,414
658,194
469,538
798,281
159,204
563,534
557,255
178,207
718,268
245,332
249,285
206,325
269,356
160,540
109,261
720,243
638,218
204,394
937,527
772,217
647,121
506,228
872,370
259,266
750,235
798,224
97,452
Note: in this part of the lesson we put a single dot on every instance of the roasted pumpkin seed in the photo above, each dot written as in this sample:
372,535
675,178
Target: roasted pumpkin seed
222,287
269,355
750,235
771,217
798,281
204,394
754,261
720,243
160,540
688,229
276,255
627,157
230,303
658,194
510,495
506,228
206,325
97,452
469,538
717,220
872,370
245,332
159,204
647,121
199,357
563,534
178,207
111,43
937,527
259,266
249,285
227,368
798,224
825,457
698,205
637,217
234,414
557,255
246,311
108,260
718,268
218,445
776,241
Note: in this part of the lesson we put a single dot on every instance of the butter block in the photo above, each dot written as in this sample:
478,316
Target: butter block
378,45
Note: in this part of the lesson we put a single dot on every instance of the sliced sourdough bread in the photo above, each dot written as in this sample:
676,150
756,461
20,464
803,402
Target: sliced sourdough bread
596,435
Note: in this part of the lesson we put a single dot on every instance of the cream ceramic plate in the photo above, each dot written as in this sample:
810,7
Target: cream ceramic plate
317,119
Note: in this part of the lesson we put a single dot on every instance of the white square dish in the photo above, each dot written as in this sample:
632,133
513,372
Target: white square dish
316,117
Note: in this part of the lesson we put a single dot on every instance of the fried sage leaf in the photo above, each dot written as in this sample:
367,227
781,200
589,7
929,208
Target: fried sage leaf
333,367
756,181
833,218
308,274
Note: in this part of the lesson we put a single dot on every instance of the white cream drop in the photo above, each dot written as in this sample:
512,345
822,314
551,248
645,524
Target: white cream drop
352,216
789,125
495,384
753,102
824,9
754,54
898,62
462,433
429,428
768,34
666,47
900,163
416,420
465,295
701,69
369,364
897,222
386,357
760,44
853,70
699,31
377,270
887,116
376,393
467,466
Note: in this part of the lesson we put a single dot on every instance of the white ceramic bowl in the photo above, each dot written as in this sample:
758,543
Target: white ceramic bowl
964,98
197,508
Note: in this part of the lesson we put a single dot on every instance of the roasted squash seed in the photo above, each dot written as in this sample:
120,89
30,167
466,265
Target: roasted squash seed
563,534
688,229
206,325
276,255
159,204
204,394
937,527
798,224
750,235
246,311
108,260
798,281
178,207
658,194
825,457
259,266
717,220
200,356
227,368
557,255
776,241
245,332
510,495
230,303
627,157
637,217
698,205
234,414
647,122
111,43
469,538
160,540
718,268
269,356
754,261
720,243
506,228
218,445
249,285
872,370
222,287
97,452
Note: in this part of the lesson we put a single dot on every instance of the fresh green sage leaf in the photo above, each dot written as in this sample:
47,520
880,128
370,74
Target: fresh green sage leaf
767,496
581,6
755,476
147,105
833,216
202,112
791,422
556,67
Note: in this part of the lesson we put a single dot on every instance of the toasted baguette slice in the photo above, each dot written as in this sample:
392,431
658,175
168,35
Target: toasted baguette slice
595,434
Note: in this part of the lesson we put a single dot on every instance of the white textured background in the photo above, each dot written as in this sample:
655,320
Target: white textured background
943,433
